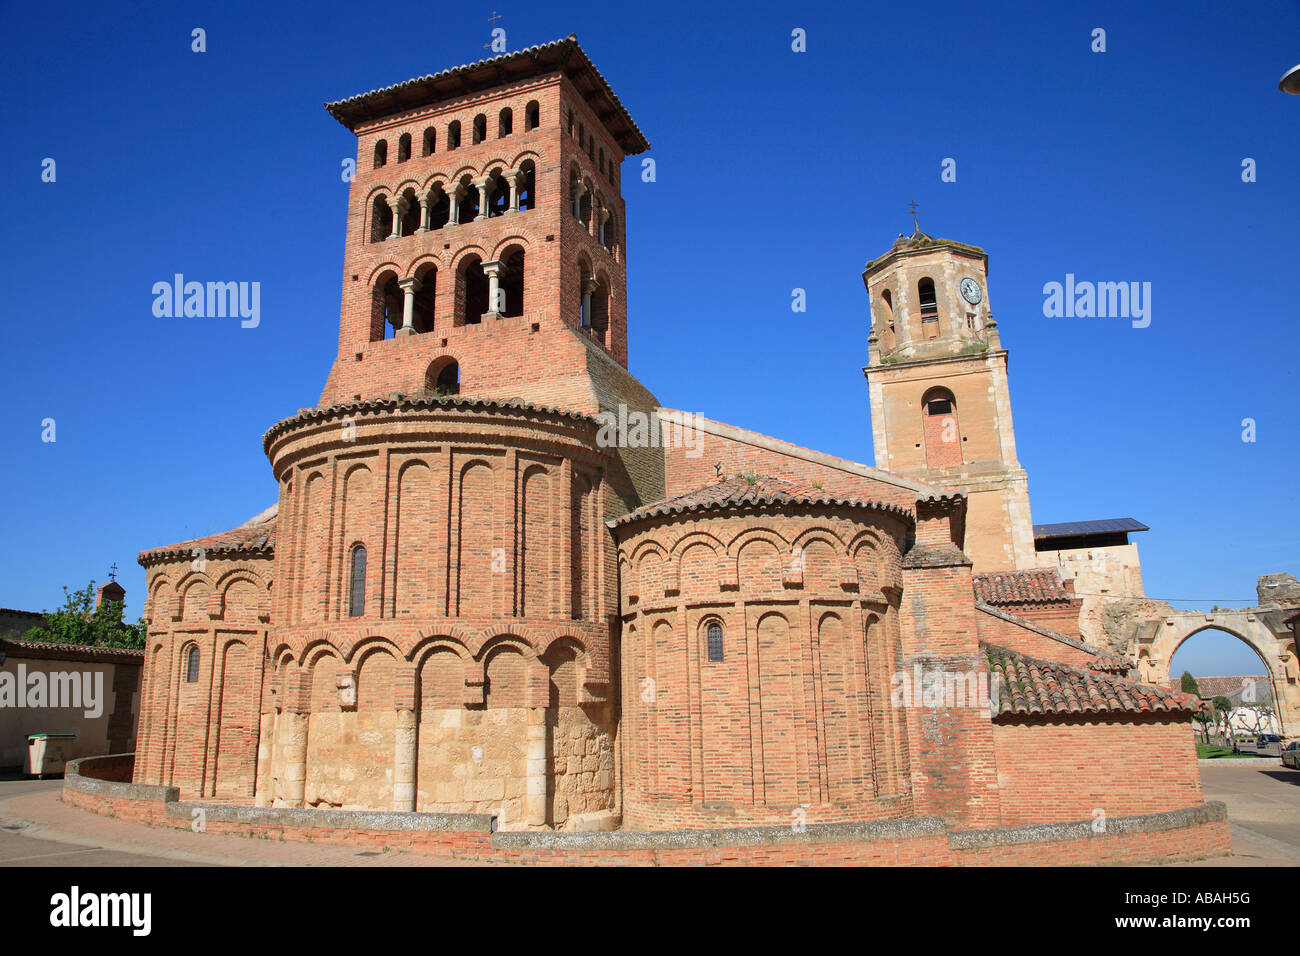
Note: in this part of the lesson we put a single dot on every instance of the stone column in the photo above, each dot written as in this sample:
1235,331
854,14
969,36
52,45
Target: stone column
513,179
426,210
535,767
588,287
492,270
409,287
482,186
405,738
453,199
579,191
265,759
600,229
398,205
293,725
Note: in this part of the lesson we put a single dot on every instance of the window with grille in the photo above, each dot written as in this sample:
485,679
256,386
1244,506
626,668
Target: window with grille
357,598
715,641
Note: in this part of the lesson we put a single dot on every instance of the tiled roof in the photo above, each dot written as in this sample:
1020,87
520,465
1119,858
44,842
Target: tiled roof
1106,661
749,490
408,402
82,652
557,56
256,535
1028,586
1222,686
1032,686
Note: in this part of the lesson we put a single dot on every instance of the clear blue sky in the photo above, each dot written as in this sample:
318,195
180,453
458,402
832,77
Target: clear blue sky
776,170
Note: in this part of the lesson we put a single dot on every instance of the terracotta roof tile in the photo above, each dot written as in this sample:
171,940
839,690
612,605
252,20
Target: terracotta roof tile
1032,686
749,490
564,55
256,535
1028,586
1222,686
400,402
82,652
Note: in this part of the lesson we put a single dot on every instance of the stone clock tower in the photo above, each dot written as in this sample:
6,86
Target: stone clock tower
940,404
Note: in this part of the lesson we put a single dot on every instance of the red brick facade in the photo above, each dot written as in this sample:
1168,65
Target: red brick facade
477,603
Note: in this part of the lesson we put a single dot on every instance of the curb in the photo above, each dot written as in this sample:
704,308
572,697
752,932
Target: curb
20,826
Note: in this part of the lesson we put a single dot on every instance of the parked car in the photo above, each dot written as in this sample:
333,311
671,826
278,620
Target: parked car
1266,740
1291,755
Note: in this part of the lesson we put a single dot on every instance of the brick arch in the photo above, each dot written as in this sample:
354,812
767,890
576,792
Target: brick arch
747,536
695,537
523,155
426,646
521,240
185,594
242,575
545,642
506,666
465,252
492,638
434,259
161,589
566,665
388,265
462,172
820,533
406,184
648,544
435,179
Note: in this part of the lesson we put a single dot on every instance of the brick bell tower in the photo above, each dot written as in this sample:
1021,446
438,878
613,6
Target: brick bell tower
486,251
940,403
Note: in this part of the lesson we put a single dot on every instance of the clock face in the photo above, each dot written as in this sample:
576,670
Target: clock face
970,290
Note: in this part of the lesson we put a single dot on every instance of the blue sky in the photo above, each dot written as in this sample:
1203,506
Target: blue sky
776,170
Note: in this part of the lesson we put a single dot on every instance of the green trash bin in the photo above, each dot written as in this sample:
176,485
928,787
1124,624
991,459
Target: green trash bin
47,753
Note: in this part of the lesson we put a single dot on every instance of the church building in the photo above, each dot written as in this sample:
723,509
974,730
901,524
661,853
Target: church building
467,599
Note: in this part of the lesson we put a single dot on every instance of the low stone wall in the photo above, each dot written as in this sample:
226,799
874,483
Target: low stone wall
1191,833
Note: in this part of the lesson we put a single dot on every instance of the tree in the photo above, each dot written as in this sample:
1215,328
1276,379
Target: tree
1222,715
1189,684
1202,717
79,622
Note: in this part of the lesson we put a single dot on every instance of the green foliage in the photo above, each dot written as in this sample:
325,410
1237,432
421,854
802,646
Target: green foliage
1189,684
77,622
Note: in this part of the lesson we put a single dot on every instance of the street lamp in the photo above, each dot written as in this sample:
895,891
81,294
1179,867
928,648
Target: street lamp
1290,82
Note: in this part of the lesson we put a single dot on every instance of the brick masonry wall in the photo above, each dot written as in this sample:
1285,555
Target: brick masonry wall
1069,768
201,735
1194,833
995,630
794,721
559,250
691,464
